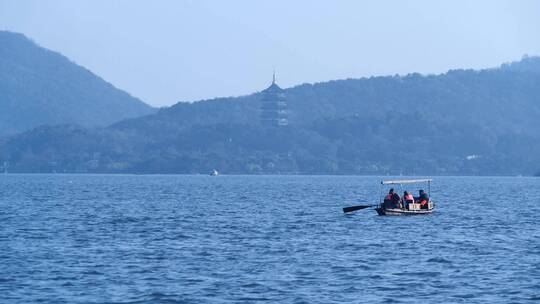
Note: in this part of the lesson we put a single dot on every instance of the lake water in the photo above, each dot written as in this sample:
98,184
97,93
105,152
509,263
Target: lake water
248,239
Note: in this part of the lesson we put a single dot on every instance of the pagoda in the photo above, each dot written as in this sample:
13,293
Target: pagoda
273,107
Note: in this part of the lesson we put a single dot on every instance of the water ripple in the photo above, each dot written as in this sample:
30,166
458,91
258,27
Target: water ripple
249,239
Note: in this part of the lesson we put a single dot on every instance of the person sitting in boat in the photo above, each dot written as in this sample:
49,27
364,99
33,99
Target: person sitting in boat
407,199
392,200
423,199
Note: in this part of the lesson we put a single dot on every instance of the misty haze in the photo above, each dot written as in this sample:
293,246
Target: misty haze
246,152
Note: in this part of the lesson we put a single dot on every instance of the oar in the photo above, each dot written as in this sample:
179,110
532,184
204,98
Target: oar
354,208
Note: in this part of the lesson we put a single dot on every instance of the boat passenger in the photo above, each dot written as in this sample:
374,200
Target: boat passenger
392,200
423,199
387,204
407,199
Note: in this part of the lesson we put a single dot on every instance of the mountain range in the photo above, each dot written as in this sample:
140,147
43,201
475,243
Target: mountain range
42,87
462,122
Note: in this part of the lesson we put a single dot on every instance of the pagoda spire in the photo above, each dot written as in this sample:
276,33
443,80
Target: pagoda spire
273,107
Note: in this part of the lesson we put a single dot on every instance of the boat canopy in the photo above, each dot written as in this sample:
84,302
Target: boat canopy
405,181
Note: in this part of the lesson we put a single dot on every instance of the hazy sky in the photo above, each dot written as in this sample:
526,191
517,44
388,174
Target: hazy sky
169,51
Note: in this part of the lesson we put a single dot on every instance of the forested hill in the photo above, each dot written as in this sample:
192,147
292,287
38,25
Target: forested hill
460,122
511,91
39,86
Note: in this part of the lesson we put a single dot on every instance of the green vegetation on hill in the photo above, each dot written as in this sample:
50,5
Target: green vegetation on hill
39,86
461,122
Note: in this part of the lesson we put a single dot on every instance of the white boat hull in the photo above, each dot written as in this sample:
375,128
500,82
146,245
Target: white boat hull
397,211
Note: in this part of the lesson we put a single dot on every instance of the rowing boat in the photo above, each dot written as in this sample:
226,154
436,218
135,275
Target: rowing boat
413,207
410,209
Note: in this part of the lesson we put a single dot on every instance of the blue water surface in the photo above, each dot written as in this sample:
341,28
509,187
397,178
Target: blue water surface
251,239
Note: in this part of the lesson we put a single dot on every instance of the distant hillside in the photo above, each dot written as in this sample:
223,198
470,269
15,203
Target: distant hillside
527,64
39,86
461,122
511,91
